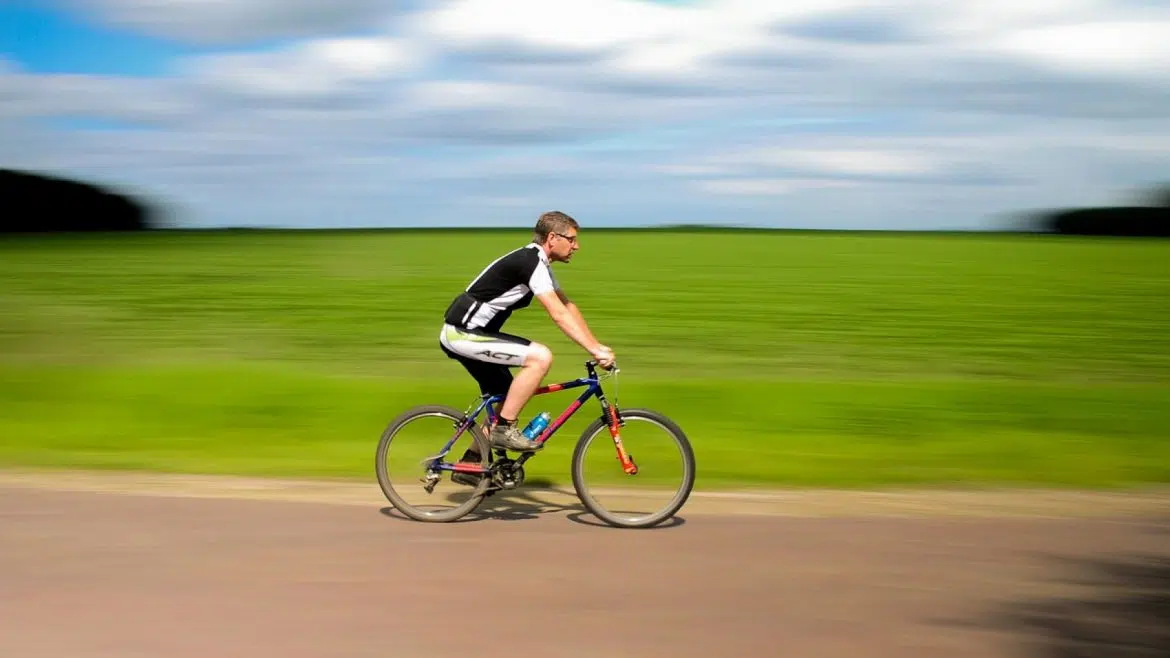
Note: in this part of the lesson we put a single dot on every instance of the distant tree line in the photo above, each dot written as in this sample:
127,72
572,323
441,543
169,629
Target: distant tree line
1132,221
39,203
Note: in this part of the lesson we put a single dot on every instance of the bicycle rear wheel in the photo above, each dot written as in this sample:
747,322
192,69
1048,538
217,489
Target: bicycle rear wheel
407,461
665,476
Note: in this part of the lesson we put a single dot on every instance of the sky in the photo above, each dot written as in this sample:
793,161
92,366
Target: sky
835,114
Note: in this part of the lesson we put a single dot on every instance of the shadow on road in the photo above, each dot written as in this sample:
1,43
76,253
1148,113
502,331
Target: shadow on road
1122,612
525,504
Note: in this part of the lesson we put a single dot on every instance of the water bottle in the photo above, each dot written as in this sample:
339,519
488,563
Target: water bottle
536,425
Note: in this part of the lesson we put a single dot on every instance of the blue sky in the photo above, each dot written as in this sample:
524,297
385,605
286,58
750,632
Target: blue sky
45,39
900,114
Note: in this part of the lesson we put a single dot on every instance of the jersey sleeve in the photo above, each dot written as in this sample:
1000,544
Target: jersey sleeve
542,279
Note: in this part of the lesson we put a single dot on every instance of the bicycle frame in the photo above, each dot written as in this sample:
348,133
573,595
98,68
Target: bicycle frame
609,412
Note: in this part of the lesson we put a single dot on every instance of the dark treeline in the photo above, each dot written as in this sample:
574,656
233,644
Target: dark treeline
39,203
1151,220
1132,221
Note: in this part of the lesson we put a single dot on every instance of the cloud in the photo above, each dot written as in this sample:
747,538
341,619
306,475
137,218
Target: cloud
571,25
235,21
134,100
1122,48
305,71
859,162
843,113
866,26
768,186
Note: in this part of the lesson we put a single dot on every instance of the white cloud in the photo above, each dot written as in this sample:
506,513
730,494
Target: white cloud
857,161
1113,47
471,94
990,17
769,186
584,25
357,57
309,69
114,98
235,21
854,112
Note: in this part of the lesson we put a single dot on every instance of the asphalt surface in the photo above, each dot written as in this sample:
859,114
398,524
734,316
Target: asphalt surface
88,574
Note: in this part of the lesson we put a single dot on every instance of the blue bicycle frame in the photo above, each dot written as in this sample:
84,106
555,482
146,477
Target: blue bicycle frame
610,413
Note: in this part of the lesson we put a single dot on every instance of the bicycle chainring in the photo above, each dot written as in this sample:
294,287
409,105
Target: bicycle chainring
507,473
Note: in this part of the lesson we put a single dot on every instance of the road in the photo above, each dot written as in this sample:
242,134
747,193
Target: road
89,573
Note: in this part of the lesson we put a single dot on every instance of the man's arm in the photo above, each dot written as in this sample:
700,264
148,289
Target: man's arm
576,313
565,314
568,318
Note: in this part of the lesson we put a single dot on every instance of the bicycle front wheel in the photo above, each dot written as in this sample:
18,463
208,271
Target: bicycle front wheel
662,484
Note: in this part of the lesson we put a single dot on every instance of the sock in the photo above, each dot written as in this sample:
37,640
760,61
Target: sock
505,422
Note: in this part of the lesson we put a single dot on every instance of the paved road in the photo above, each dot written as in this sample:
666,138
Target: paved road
92,574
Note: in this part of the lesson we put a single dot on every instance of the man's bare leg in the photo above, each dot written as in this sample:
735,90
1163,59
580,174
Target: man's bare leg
524,385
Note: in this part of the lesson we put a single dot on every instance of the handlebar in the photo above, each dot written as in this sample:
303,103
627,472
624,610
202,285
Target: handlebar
592,363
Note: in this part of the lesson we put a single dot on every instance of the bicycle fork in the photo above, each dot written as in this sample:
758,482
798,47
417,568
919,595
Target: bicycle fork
612,417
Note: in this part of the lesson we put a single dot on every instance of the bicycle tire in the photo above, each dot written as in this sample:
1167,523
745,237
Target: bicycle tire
595,508
387,486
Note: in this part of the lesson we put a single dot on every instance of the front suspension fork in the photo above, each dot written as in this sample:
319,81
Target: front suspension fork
612,417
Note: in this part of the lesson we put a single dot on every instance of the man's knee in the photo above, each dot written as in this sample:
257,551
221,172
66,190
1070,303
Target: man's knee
539,355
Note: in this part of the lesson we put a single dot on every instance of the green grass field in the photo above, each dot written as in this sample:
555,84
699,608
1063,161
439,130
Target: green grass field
791,359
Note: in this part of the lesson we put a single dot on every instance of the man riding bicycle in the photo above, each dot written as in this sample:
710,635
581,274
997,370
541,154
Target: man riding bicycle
472,335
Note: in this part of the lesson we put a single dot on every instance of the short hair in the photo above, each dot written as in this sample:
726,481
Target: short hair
553,221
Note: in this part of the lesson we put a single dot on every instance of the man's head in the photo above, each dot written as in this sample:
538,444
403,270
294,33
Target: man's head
557,233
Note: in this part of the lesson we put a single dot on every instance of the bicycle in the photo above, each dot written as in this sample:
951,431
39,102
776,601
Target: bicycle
496,471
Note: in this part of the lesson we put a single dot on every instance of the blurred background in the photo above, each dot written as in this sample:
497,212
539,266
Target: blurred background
841,243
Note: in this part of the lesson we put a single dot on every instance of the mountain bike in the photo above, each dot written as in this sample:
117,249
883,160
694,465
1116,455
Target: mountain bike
481,471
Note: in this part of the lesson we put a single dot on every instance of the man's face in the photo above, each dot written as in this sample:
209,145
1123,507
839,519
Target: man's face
562,244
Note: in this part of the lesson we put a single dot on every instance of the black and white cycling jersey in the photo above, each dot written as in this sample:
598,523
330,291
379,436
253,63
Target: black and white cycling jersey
505,285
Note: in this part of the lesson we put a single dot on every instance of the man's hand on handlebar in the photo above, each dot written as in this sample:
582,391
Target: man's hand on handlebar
604,357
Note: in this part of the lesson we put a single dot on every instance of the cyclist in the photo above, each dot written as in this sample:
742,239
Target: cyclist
472,324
